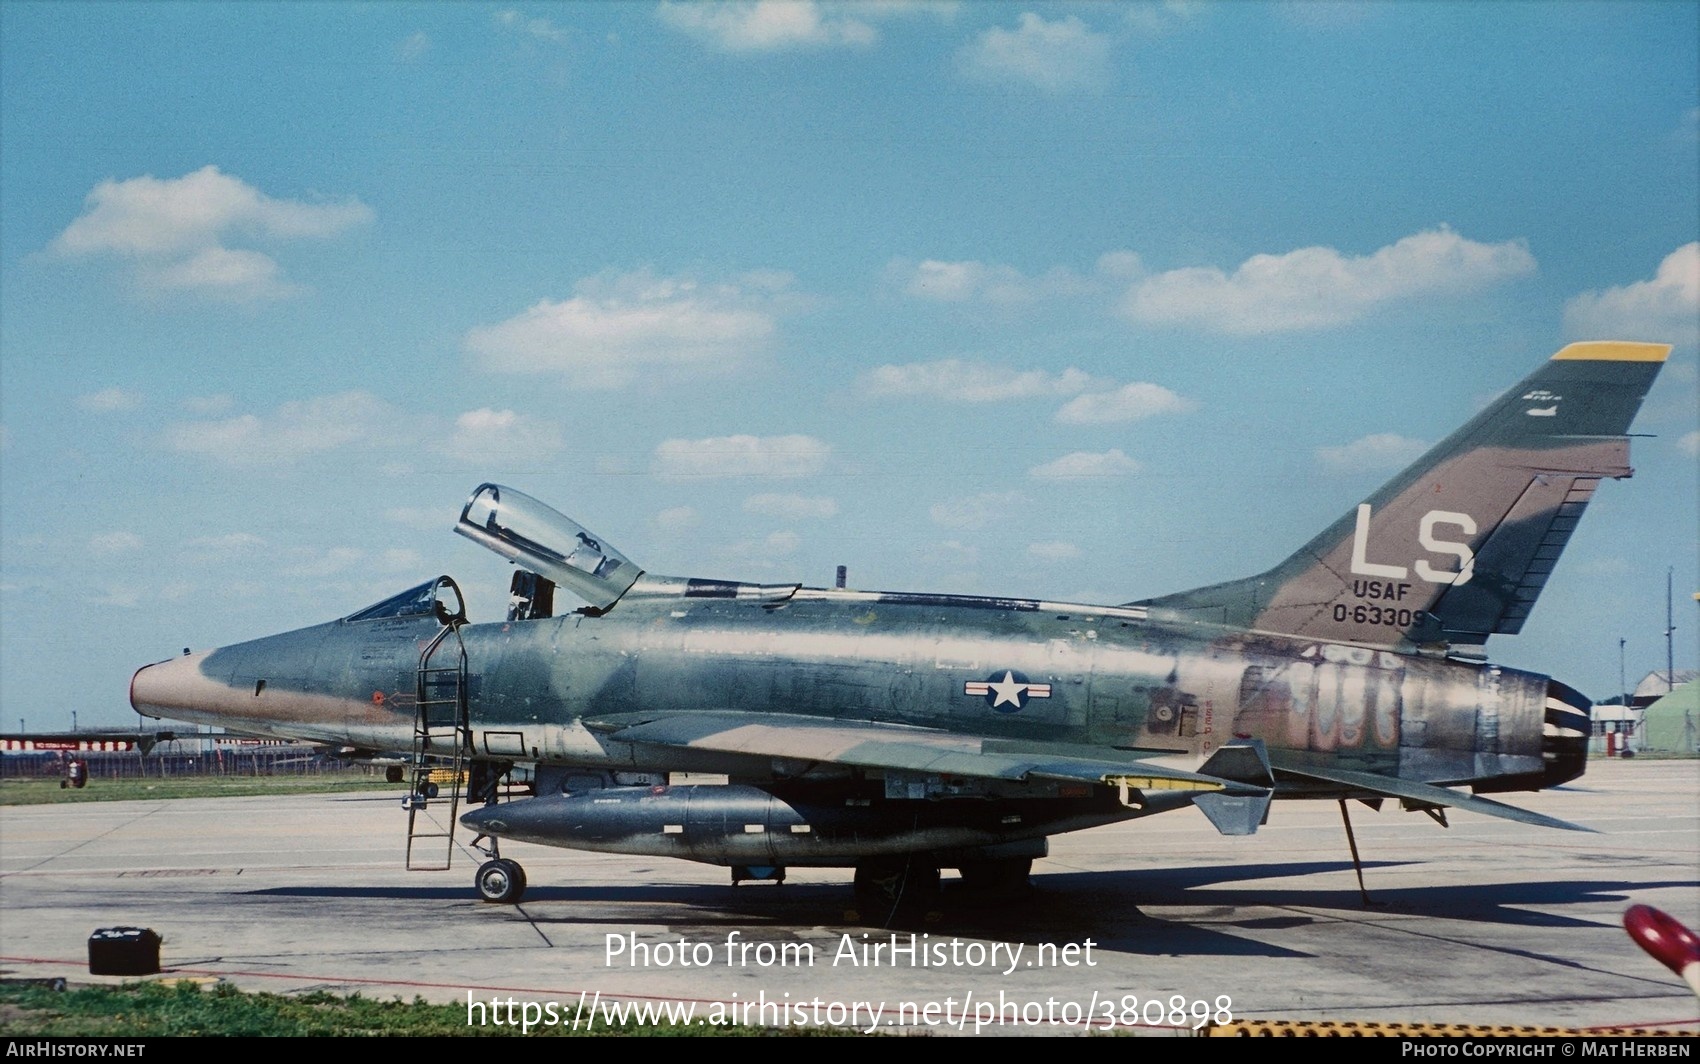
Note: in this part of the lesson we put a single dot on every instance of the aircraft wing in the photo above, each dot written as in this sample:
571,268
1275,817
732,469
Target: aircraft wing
888,746
1418,793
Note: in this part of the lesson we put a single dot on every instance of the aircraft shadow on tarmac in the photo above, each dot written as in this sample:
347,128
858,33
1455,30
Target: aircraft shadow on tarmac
1112,908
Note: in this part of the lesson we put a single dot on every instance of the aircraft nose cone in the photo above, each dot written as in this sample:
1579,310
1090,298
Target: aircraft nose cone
169,687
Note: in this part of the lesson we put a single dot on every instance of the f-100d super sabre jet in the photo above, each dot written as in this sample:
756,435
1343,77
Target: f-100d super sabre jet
899,733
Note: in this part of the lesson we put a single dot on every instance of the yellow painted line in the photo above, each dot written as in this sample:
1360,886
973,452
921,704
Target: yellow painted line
1614,351
1154,783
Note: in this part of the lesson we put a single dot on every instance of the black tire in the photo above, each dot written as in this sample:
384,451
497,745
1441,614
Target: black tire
888,887
500,882
997,881
431,790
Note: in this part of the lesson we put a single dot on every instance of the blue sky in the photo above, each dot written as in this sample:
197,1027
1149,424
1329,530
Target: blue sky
1077,301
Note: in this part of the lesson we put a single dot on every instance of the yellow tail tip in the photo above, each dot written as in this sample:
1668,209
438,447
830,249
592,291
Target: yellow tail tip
1614,351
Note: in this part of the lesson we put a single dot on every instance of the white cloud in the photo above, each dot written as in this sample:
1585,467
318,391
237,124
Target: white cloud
1120,265
1057,57
978,511
400,560
108,400
208,404
758,554
1378,452
229,543
145,215
420,517
1055,551
1316,287
124,597
540,28
237,274
999,285
107,543
1130,402
741,456
771,25
413,46
952,552
501,437
1085,464
1690,444
304,562
1688,127
615,330
1160,18
677,518
176,232
980,282
1325,14
791,507
1665,309
973,382
294,430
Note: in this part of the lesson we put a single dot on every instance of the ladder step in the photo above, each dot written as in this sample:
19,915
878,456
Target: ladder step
441,737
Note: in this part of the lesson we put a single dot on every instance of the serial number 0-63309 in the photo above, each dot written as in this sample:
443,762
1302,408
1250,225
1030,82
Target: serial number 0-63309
1388,615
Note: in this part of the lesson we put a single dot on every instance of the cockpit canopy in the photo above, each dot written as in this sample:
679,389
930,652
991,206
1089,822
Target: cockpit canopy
439,598
545,541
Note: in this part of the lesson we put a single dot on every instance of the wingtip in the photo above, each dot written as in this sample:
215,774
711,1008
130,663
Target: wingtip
1613,351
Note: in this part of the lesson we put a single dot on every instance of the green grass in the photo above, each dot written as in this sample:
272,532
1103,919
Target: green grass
45,791
183,1008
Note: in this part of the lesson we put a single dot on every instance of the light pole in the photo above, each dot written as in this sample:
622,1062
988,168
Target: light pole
1622,684
1670,630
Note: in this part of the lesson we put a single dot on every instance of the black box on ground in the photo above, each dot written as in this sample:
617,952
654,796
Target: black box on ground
124,951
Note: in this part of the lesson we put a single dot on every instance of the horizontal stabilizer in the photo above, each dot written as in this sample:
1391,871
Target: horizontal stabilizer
1425,794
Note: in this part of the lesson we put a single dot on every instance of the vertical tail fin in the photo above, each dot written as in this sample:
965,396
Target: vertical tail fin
1458,546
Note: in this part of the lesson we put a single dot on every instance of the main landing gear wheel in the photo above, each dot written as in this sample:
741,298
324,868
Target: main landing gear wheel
500,881
999,880
890,887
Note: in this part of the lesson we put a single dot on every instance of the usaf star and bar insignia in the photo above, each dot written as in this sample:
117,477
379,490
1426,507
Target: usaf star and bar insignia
1009,693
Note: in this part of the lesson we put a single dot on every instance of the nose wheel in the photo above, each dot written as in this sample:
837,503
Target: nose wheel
500,881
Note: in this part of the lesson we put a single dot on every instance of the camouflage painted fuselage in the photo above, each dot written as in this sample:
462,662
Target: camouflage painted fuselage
1075,676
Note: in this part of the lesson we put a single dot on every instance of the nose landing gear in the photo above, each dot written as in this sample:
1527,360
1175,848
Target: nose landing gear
500,881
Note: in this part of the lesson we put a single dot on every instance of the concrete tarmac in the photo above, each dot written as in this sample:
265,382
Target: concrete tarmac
1148,925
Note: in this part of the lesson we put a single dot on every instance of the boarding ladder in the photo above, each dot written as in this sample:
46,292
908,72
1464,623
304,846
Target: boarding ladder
442,738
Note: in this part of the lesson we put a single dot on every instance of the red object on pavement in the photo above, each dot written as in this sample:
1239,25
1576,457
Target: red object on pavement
1665,937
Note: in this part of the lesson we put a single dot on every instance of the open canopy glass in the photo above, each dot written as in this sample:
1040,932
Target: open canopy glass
542,539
